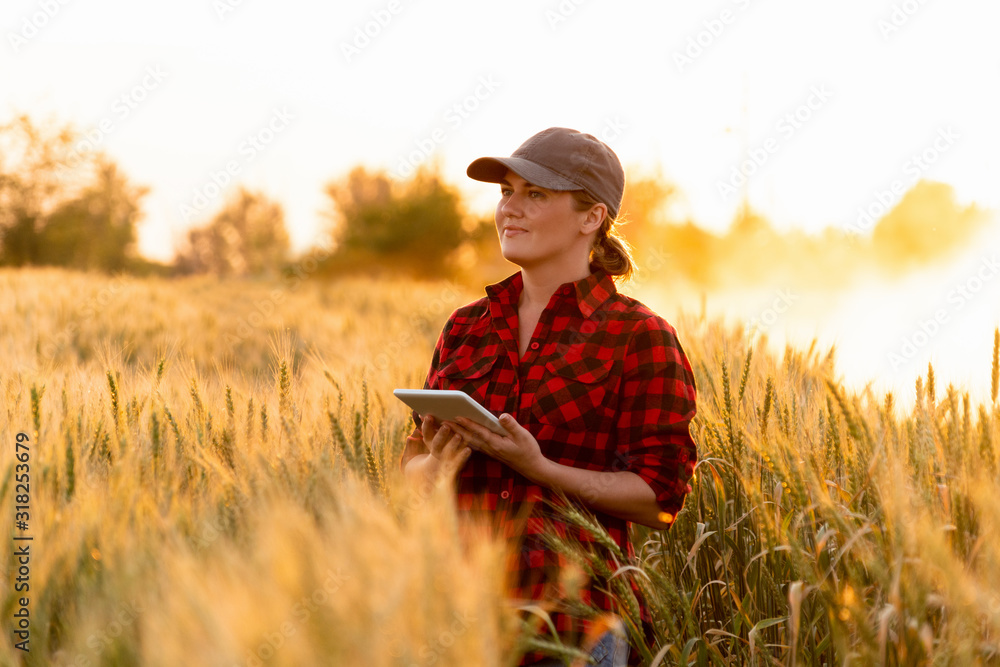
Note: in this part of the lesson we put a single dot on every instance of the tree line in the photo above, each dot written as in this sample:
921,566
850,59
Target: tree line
63,205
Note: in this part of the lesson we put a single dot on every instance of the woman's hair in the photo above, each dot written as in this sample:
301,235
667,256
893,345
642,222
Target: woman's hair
611,252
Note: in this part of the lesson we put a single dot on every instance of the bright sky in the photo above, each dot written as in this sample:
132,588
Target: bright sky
841,99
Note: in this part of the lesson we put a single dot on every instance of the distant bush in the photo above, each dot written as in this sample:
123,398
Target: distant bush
247,237
381,225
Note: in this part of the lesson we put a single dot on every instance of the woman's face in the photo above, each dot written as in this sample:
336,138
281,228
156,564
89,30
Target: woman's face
538,226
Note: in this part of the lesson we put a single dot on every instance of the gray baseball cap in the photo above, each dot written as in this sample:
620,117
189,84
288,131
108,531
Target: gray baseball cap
561,159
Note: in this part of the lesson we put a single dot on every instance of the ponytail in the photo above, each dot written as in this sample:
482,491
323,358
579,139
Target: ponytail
611,252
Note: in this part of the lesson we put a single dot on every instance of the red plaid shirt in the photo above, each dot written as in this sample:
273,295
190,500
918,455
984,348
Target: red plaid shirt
604,385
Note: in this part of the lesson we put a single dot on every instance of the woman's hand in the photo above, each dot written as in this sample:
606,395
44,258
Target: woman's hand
619,493
447,449
519,450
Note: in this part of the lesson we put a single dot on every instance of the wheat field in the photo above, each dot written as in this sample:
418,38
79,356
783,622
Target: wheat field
214,481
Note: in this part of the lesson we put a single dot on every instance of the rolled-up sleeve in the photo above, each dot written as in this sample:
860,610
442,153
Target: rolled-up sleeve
657,404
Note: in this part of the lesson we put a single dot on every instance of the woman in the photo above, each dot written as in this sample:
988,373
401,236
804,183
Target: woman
592,386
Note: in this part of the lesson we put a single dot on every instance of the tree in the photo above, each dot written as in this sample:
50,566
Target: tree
62,203
247,237
96,230
658,244
644,208
926,225
379,224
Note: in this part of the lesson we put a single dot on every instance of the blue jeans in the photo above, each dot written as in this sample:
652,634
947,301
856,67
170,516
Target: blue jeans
610,651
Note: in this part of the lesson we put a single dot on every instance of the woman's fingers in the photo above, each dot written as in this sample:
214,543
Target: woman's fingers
446,443
453,453
477,436
449,440
519,449
436,435
453,463
428,428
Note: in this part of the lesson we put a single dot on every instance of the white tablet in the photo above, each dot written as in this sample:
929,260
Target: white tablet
446,404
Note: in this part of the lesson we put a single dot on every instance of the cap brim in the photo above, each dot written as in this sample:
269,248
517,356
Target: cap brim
493,170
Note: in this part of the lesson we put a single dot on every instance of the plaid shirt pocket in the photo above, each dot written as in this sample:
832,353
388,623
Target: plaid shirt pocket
574,393
469,374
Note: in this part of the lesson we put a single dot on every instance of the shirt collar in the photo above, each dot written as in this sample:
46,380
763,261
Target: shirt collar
588,293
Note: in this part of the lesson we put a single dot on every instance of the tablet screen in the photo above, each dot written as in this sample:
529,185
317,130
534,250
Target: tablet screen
447,404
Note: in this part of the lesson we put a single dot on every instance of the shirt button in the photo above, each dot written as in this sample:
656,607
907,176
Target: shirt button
534,346
505,495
